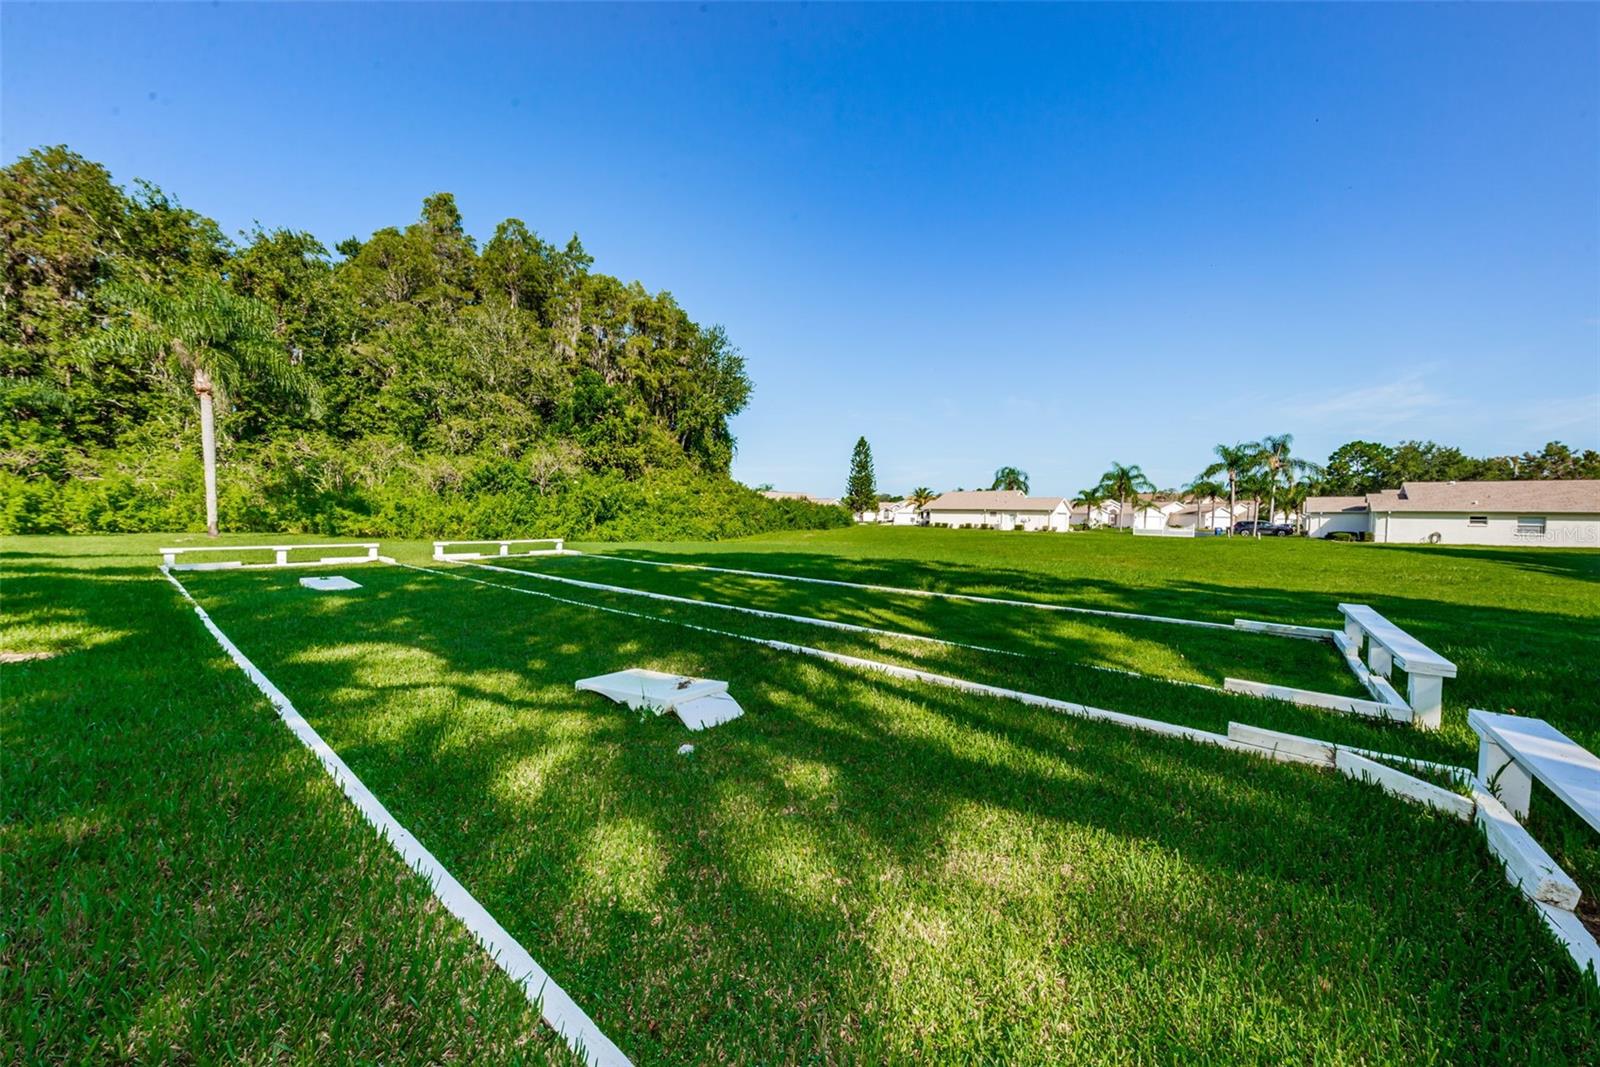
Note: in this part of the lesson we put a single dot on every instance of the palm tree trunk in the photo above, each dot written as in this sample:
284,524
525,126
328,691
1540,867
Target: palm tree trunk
1272,502
1233,503
208,446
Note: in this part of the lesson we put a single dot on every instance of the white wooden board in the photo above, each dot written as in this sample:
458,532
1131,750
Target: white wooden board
1528,866
1401,784
329,583
699,702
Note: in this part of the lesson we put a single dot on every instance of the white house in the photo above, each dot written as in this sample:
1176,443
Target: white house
899,513
999,509
1553,513
1103,515
1337,514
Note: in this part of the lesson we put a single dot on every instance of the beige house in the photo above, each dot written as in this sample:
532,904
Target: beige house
1552,513
998,509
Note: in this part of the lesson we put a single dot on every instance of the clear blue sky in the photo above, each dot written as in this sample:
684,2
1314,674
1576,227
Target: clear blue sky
1046,237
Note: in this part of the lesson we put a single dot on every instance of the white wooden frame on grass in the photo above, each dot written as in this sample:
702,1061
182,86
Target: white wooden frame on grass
809,620
557,1009
1386,703
505,552
170,556
1268,744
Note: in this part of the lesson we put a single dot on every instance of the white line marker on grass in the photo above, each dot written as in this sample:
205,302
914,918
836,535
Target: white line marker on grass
915,592
809,620
558,1009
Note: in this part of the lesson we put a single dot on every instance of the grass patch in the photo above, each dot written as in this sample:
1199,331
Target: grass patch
859,869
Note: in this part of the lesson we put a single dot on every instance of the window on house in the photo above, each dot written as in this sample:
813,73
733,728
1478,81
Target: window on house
1529,526
1477,520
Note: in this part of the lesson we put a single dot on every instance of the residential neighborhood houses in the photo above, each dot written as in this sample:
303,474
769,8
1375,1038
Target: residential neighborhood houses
1262,488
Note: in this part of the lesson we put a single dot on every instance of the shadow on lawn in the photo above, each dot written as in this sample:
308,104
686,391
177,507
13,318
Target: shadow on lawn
740,908
181,877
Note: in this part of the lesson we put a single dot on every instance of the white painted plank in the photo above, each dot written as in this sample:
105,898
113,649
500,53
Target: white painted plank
1528,866
970,597
1287,746
1401,784
1283,629
1566,768
1574,937
1312,699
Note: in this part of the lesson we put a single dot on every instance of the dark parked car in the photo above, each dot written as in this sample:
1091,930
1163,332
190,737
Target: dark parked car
1267,529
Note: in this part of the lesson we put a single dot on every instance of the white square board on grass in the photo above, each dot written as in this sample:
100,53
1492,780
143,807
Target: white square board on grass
698,702
327,583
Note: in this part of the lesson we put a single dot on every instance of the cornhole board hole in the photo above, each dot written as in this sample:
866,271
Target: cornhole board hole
699,703
328,583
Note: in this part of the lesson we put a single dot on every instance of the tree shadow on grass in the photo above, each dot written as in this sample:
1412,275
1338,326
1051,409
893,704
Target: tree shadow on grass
733,898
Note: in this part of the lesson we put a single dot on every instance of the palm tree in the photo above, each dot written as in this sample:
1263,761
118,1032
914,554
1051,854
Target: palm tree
1010,478
1294,499
213,336
1089,500
1282,466
921,497
1205,487
1123,483
1255,484
1236,461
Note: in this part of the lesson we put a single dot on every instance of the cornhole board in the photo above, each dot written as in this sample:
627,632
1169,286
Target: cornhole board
699,703
329,583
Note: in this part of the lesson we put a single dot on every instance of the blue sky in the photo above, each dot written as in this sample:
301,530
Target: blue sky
1042,236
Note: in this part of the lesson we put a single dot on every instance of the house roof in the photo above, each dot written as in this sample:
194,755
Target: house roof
994,500
1325,504
1566,495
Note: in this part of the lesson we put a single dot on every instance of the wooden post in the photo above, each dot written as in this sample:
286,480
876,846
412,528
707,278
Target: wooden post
1511,784
1379,660
1425,694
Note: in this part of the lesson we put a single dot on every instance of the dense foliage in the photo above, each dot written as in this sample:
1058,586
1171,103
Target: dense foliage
494,391
1361,467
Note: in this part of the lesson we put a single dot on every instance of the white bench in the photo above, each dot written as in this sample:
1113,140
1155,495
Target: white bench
280,556
439,547
1514,750
1388,645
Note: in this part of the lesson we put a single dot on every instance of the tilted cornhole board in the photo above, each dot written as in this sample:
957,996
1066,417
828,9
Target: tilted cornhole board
330,583
699,702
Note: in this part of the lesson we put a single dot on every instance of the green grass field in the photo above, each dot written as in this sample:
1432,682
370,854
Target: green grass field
859,870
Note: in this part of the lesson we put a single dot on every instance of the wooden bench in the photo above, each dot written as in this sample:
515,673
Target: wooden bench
1514,750
1388,645
280,555
440,553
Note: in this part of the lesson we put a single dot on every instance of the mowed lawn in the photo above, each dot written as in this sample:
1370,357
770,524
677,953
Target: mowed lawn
858,869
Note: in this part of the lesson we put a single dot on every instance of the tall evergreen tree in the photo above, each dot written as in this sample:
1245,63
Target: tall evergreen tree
861,493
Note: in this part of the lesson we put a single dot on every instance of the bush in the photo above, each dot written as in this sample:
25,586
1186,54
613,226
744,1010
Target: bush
378,488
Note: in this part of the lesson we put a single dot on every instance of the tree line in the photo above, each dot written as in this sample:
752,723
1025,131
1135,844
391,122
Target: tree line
407,383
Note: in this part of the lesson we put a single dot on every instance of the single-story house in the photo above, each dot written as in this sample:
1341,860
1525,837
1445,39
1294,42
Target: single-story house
1103,515
999,509
1337,514
899,513
1551,512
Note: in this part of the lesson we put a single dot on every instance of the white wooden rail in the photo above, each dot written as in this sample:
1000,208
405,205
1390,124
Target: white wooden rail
280,556
1388,646
440,553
